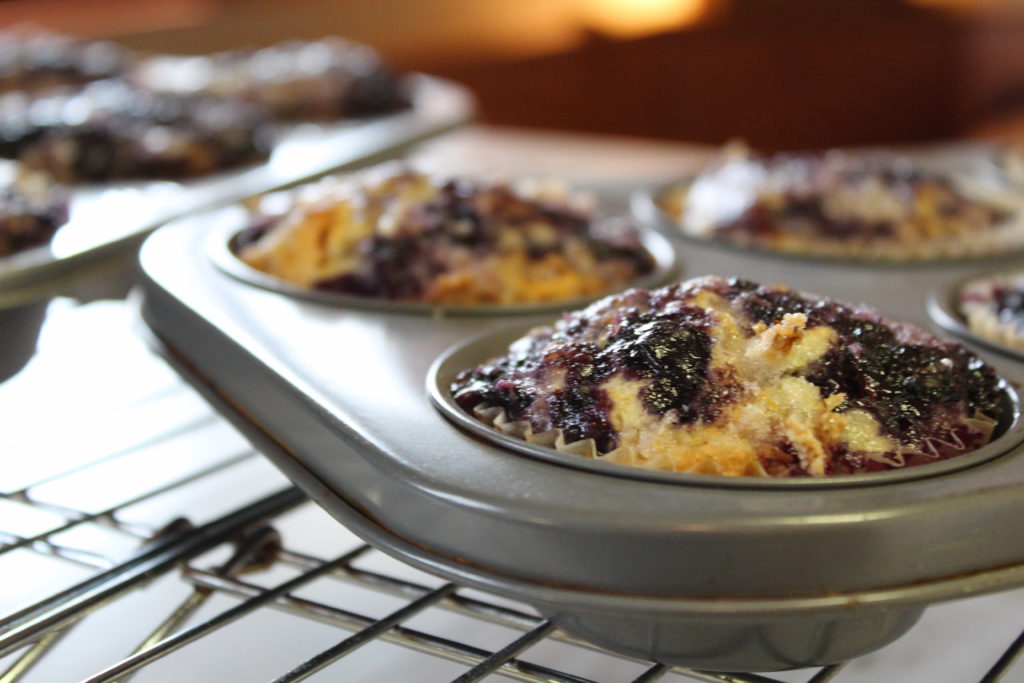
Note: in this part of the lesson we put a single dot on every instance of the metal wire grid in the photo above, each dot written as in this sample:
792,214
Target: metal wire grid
29,633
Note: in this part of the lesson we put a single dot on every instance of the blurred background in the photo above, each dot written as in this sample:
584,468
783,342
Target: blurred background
780,73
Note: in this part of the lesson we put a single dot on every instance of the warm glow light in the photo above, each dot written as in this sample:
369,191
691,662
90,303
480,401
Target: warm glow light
634,18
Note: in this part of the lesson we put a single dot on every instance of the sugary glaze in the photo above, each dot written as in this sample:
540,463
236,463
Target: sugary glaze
994,308
321,80
39,61
31,210
844,205
408,236
728,377
110,130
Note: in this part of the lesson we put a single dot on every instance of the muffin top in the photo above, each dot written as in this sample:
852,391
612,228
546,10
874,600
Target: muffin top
730,377
875,206
110,130
320,80
405,235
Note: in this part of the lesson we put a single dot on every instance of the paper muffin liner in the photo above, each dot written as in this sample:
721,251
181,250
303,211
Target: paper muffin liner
555,438
1007,235
976,305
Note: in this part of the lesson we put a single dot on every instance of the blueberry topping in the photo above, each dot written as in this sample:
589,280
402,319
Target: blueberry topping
919,391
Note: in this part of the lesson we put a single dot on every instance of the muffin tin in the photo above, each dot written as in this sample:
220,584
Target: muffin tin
717,574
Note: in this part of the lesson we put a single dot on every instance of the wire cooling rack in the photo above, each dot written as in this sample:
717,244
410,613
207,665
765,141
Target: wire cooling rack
141,537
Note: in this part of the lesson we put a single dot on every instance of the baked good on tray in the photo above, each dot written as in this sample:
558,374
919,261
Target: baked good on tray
730,377
31,210
109,130
994,308
320,80
38,61
861,205
405,235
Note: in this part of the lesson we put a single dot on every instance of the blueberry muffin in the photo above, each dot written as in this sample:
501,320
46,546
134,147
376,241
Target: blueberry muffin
994,308
109,130
31,210
845,205
729,377
322,80
40,61
407,236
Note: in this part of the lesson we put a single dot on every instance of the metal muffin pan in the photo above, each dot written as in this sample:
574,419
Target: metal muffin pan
110,219
221,250
707,574
944,308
